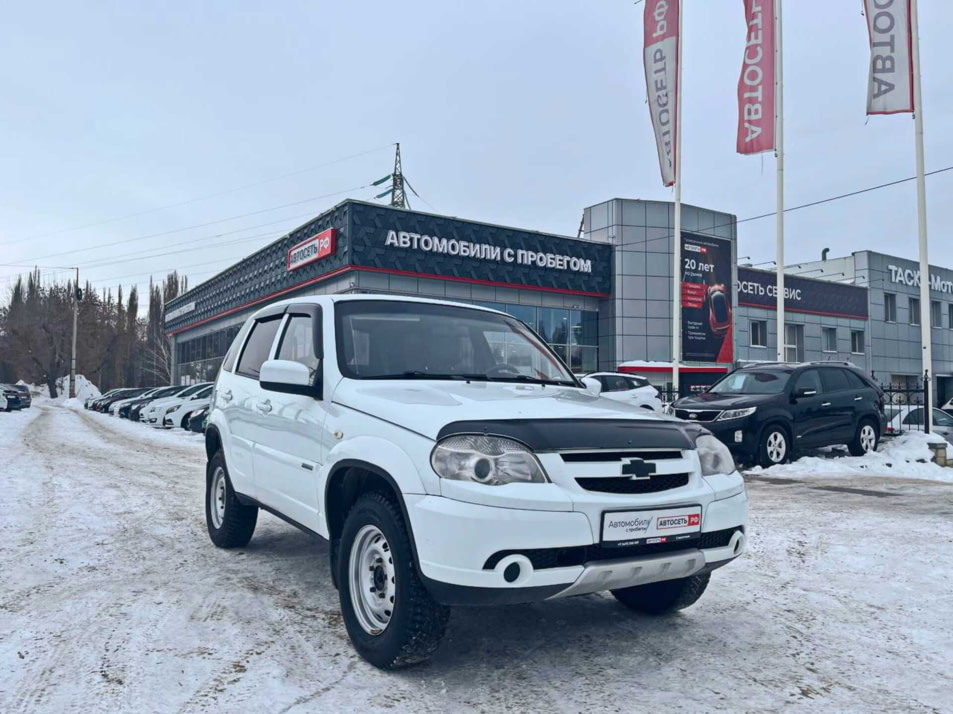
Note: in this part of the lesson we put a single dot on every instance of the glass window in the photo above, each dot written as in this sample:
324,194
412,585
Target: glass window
526,313
834,380
236,344
949,311
936,314
857,342
583,359
554,325
761,381
584,327
809,381
829,339
794,343
855,380
258,347
915,417
759,333
942,419
914,311
297,343
614,383
890,307
404,340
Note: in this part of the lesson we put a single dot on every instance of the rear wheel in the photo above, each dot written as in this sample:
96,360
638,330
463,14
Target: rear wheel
664,597
230,524
775,447
865,440
391,619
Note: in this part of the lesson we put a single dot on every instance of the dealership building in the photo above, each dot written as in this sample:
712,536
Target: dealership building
602,300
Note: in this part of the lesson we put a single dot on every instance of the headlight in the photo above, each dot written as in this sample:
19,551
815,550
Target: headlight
714,456
169,410
737,413
489,460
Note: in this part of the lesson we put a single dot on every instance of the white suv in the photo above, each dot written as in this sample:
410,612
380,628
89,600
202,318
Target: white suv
451,458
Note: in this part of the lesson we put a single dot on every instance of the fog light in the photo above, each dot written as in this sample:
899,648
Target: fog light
739,436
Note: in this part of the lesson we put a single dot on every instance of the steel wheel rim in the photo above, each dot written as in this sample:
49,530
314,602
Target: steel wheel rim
216,497
868,440
373,580
777,447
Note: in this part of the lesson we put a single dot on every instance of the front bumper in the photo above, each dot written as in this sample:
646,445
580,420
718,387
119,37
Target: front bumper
465,551
739,435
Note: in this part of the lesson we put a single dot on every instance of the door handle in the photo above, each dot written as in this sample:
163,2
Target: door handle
265,406
858,399
227,395
826,404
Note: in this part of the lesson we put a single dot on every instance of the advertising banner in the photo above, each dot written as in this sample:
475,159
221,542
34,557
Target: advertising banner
759,288
707,320
890,85
660,56
756,83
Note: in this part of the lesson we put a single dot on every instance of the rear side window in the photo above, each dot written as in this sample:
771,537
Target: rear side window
258,347
834,380
299,341
235,346
614,383
637,382
855,380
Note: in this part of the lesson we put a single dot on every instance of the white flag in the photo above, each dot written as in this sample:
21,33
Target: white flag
890,88
660,55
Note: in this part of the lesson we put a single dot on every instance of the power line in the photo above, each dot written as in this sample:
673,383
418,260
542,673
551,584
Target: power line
199,225
199,198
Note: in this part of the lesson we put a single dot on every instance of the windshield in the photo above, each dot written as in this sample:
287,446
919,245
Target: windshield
760,381
378,339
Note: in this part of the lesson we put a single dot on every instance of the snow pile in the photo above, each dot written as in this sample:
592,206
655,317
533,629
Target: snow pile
906,456
84,390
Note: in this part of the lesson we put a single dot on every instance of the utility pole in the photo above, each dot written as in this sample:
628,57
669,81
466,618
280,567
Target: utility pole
77,296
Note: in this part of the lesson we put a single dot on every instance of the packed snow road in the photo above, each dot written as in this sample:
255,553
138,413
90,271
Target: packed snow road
113,599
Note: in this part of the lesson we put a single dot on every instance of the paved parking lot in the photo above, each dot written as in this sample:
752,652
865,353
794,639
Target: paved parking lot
115,600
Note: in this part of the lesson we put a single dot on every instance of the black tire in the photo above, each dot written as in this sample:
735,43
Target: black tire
233,527
768,450
665,597
416,623
865,439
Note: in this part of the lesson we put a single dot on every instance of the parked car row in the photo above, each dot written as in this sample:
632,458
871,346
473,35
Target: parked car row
183,406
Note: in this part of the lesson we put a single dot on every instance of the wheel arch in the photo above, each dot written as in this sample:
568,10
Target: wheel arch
347,481
213,441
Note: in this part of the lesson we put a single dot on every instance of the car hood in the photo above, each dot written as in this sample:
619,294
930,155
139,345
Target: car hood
427,406
707,400
164,402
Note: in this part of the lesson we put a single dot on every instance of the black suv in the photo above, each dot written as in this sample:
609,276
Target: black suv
766,412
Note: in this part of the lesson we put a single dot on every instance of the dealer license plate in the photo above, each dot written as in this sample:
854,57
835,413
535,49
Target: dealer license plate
660,526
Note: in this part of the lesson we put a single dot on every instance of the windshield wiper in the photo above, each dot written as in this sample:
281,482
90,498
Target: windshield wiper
534,380
420,374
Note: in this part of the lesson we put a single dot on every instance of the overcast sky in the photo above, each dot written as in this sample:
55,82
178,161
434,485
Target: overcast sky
518,112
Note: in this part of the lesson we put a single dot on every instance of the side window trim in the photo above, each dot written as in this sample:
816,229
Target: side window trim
261,319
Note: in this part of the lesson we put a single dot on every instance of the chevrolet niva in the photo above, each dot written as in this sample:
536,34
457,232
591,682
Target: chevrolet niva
451,458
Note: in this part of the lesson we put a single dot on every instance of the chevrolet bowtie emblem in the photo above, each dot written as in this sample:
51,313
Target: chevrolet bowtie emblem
638,469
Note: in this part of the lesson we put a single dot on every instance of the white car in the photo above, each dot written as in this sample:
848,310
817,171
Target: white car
623,387
177,412
153,412
948,407
116,406
444,475
905,418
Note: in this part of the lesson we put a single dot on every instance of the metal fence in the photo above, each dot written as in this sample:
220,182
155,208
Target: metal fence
905,408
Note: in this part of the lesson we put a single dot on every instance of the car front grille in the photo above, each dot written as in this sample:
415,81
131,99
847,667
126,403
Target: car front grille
697,414
625,484
543,558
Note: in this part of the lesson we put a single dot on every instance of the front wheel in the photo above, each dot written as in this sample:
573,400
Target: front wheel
391,619
774,448
865,440
664,597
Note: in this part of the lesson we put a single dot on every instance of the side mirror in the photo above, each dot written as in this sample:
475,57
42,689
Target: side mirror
287,376
593,386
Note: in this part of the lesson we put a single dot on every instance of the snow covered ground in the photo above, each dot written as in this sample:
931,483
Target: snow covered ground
904,456
113,599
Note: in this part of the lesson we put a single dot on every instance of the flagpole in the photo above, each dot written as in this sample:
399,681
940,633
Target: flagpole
926,338
779,144
677,221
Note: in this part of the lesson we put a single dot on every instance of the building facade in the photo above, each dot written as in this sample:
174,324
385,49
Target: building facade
602,300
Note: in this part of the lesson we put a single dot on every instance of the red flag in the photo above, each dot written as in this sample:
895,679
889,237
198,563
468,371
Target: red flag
660,56
756,109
